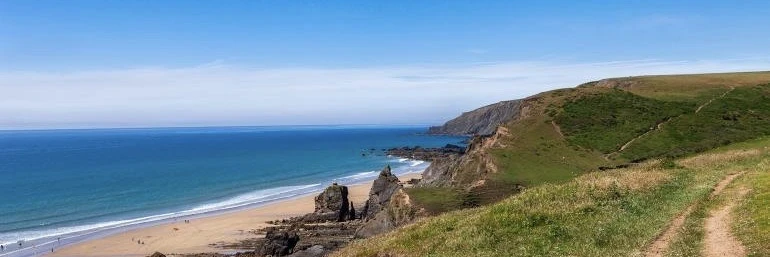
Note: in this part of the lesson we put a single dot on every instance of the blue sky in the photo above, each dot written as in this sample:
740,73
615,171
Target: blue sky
192,63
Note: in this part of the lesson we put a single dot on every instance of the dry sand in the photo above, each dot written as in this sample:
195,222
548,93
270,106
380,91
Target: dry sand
195,237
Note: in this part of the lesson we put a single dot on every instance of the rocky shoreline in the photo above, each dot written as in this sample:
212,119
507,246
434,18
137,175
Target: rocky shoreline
336,220
426,154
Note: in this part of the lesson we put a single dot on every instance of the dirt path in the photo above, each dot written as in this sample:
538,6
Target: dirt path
719,240
658,247
722,184
557,128
659,125
656,127
715,98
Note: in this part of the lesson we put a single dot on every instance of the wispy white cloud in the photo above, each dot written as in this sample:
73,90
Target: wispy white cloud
218,94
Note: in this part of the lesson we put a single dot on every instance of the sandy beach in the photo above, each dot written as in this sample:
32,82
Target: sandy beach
197,235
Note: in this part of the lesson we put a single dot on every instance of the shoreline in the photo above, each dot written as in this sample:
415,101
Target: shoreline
43,245
201,234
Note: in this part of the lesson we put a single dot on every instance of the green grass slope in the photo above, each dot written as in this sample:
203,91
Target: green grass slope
612,122
564,133
554,150
742,114
611,213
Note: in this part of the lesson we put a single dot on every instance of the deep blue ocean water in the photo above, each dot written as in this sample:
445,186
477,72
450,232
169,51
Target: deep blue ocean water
59,183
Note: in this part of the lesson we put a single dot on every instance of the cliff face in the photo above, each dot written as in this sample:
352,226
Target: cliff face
469,170
482,121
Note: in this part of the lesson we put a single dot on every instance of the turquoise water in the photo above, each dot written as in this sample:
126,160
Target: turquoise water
60,183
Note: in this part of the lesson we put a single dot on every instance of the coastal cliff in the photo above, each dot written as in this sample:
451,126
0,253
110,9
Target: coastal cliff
482,121
553,174
557,135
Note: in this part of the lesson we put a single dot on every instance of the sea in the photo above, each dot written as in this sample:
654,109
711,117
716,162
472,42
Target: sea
60,187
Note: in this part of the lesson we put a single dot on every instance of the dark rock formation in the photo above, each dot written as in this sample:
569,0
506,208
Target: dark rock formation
333,200
378,224
466,170
440,172
352,212
329,236
157,254
398,212
278,243
426,154
313,251
482,121
379,196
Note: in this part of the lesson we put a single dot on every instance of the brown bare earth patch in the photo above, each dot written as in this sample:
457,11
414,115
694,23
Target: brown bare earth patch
660,245
719,240
722,184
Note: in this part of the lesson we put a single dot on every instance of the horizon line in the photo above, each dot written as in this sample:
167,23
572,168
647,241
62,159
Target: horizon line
222,126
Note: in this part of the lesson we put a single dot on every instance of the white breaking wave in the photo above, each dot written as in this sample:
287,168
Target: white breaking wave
414,163
255,197
361,175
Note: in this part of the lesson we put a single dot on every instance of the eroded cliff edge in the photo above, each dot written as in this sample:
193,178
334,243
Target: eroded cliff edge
482,121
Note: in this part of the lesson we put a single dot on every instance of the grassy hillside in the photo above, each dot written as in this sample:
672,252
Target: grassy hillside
564,133
606,121
741,114
554,150
613,213
613,122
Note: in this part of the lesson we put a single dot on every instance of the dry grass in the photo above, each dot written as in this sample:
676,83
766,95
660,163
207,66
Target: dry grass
607,213
641,177
693,87
715,159
597,214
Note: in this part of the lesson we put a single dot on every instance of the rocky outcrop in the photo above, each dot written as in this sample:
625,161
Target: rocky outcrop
334,199
440,172
157,254
313,251
278,243
482,121
426,154
388,207
382,189
467,170
352,212
398,212
330,205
